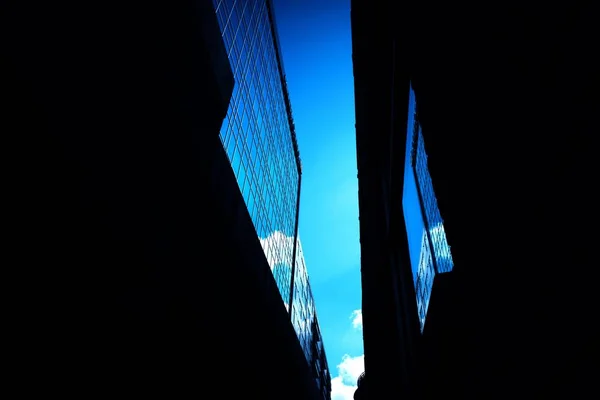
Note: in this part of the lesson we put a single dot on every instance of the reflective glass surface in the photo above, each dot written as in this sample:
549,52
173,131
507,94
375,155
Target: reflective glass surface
304,319
303,307
424,281
428,246
260,143
256,132
441,250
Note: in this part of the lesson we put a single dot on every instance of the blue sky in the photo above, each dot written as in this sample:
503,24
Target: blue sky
317,51
315,38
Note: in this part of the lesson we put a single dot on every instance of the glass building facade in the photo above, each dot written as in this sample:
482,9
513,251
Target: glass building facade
428,246
431,213
258,135
306,324
303,310
424,279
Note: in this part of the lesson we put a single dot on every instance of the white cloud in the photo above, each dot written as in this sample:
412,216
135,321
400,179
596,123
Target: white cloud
274,245
344,385
356,318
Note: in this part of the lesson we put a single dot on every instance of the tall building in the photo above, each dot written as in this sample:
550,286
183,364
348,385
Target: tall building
259,137
258,132
395,283
161,181
432,255
501,147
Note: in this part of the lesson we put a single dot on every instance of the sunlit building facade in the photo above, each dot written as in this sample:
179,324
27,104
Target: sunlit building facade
258,135
434,252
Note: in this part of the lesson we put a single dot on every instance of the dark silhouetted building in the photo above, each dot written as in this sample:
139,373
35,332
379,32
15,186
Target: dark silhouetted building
361,388
154,243
495,158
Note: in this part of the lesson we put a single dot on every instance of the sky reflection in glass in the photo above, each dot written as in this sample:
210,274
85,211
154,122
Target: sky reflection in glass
256,133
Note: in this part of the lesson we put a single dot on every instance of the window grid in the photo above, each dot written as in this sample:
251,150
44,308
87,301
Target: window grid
256,134
434,250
